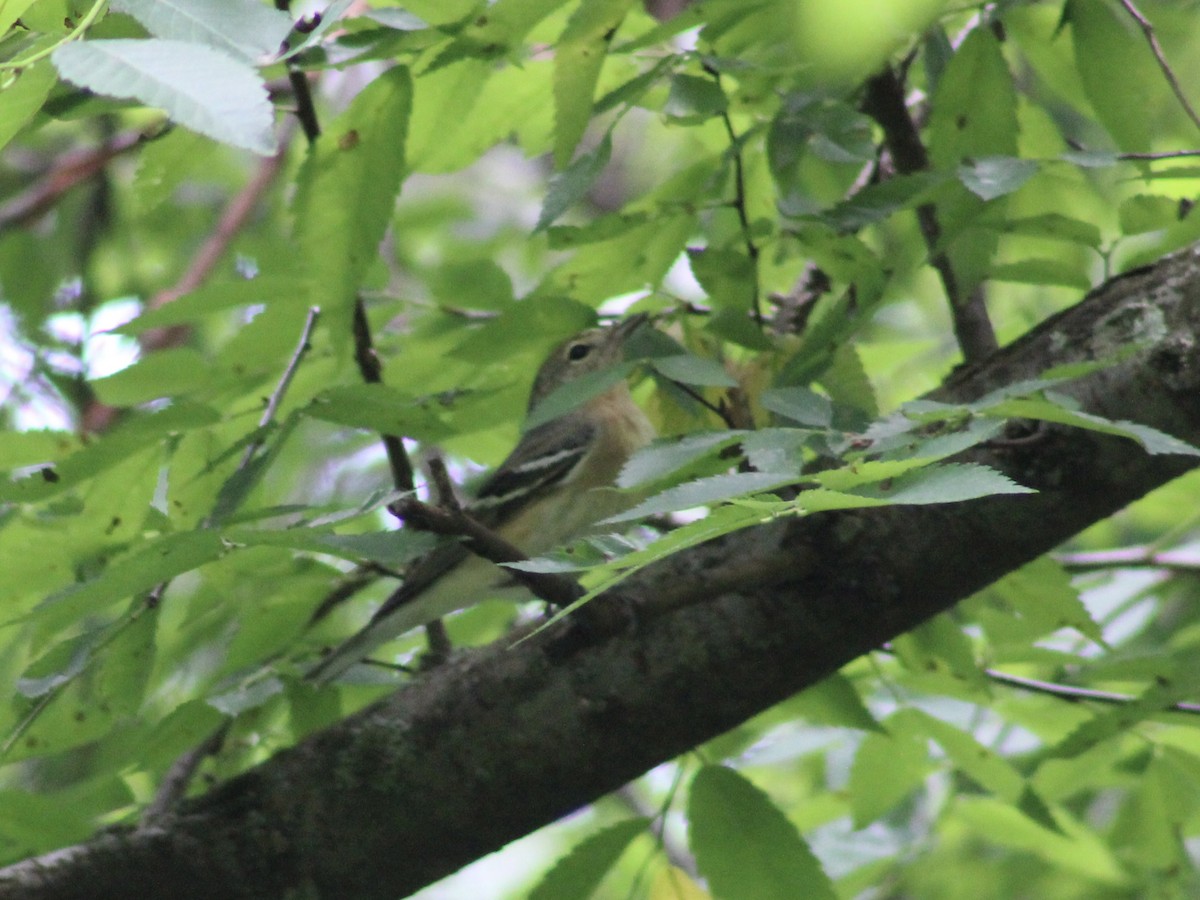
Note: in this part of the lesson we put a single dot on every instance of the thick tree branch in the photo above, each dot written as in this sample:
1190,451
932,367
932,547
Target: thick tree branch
503,740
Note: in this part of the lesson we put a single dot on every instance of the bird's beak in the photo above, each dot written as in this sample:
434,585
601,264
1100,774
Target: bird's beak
626,327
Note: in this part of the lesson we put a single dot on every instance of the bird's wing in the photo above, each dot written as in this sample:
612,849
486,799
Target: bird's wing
545,457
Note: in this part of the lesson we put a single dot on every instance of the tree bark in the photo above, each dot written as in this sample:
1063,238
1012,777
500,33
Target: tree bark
504,740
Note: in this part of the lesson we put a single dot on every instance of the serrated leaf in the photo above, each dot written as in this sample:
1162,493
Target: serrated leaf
994,176
706,491
1041,599
570,186
666,456
948,483
242,28
577,62
347,193
580,872
197,86
745,847
1047,409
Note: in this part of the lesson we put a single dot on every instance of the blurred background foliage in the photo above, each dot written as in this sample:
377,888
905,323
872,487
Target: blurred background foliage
488,177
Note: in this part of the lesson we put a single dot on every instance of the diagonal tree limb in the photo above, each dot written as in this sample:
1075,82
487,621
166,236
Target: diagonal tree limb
504,740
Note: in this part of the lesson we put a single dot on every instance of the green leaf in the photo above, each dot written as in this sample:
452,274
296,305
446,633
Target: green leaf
166,373
220,296
801,405
939,645
577,61
580,872
663,457
694,100
477,284
886,769
1180,685
876,202
26,448
1081,853
347,193
1062,272
574,394
1038,598
1051,410
948,483
727,276
962,129
21,100
746,847
135,434
570,186
835,701
689,369
247,696
1056,226
1143,213
705,492
391,549
994,176
241,28
153,562
1101,36
200,88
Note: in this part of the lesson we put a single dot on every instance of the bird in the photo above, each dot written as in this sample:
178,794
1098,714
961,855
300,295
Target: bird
553,487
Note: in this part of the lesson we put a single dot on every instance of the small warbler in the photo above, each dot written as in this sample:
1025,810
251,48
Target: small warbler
554,485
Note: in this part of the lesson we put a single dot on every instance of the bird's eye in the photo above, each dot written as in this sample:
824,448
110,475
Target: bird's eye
577,352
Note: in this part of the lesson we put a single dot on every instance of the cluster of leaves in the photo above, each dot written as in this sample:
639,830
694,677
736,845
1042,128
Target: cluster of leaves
715,168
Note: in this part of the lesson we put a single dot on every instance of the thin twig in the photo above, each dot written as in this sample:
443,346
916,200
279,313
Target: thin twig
720,411
178,778
1167,154
98,417
285,381
1127,558
1077,694
1156,48
739,201
884,102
